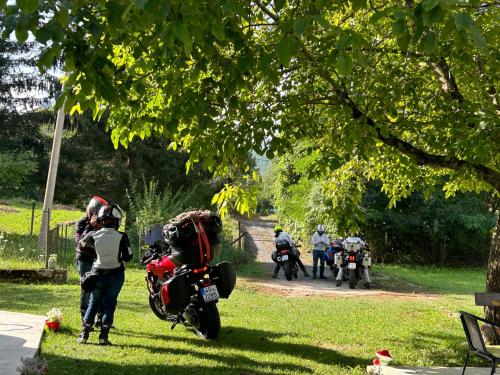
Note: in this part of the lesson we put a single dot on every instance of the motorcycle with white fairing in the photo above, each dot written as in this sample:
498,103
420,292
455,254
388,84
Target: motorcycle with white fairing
355,261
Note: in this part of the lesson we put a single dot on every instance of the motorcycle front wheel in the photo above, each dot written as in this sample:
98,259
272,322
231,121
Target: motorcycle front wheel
209,321
352,279
287,267
155,304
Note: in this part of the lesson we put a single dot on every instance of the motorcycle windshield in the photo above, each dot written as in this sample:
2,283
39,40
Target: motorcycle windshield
153,234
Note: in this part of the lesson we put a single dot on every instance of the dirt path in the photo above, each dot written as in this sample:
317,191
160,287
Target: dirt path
260,242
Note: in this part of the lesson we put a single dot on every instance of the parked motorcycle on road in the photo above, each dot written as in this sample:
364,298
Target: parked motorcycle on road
183,287
355,261
286,256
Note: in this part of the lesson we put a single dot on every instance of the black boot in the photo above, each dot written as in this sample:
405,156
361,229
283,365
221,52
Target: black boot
103,336
276,270
84,336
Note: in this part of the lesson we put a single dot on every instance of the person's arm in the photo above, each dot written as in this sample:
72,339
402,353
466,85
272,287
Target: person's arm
125,249
80,226
87,241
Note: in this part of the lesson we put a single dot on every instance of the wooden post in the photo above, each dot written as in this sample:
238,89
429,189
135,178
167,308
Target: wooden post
51,178
46,242
32,217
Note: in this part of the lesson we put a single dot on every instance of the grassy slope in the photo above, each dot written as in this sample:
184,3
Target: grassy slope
19,222
261,333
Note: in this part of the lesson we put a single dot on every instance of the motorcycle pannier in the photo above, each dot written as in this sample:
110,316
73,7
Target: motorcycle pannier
176,293
224,276
192,236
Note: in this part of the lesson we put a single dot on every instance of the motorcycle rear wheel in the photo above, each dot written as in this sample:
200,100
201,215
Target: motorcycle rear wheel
287,267
352,279
209,321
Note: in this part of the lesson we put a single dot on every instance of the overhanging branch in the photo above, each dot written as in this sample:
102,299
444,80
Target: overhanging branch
489,175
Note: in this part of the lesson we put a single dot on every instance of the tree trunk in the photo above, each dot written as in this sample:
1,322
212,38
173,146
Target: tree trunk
493,278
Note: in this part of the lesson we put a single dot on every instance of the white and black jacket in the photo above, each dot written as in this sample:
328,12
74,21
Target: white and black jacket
111,246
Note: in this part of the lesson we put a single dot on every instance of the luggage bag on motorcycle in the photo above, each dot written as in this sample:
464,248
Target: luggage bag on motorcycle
224,276
176,293
192,236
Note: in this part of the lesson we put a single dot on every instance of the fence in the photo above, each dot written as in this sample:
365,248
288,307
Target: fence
60,240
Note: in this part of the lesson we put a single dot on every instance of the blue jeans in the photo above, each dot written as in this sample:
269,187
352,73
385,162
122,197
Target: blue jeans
318,254
83,266
104,297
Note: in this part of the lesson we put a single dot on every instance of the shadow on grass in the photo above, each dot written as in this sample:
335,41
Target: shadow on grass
254,340
236,340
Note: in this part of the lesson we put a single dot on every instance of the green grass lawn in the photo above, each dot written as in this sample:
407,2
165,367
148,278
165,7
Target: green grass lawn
261,333
459,281
15,216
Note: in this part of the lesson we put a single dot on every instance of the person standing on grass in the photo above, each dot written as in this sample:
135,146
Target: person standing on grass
112,249
319,242
85,256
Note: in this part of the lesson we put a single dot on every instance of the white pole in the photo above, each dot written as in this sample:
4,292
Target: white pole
51,183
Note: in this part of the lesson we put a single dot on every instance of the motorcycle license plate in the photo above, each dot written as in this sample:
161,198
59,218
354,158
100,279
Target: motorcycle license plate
209,293
284,257
351,266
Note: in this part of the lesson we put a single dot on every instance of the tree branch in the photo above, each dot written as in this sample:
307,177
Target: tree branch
447,80
489,175
267,11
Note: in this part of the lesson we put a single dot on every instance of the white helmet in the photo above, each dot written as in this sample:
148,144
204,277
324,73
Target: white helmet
320,228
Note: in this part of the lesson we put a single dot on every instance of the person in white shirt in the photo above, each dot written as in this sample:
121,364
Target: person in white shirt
319,242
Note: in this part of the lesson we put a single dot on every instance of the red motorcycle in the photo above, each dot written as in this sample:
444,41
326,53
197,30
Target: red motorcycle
183,287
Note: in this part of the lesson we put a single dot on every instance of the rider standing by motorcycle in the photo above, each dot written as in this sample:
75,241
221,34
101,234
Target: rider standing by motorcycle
112,249
280,236
320,242
85,256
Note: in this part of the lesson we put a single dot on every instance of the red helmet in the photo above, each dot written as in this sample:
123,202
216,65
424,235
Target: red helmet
94,205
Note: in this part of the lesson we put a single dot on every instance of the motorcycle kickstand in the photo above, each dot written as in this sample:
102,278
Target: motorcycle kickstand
177,321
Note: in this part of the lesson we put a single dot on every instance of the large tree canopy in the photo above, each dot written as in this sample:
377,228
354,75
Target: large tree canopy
360,80
406,88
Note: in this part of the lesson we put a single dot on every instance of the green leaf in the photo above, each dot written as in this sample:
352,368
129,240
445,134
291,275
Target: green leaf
462,21
218,30
27,6
62,17
429,42
287,49
301,25
181,31
403,41
344,63
433,16
377,16
3,3
322,21
358,4
43,35
399,28
45,60
279,4
477,36
21,34
429,4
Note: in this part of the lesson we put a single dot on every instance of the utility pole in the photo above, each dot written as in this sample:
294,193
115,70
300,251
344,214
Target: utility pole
51,183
